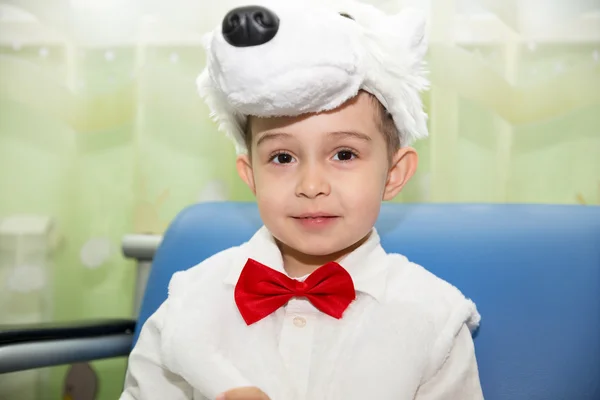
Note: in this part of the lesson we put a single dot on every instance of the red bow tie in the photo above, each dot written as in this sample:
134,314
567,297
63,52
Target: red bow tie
261,290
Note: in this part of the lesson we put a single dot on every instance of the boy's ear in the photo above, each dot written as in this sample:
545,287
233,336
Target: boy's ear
244,169
404,165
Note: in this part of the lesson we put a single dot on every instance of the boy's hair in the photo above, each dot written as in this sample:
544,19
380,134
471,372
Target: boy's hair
384,121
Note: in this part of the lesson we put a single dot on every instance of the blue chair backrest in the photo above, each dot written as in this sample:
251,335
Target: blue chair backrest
532,270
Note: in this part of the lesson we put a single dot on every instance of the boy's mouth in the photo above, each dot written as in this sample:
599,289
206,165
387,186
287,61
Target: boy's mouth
314,216
315,220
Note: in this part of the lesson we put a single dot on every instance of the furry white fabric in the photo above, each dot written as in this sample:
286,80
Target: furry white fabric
318,60
381,349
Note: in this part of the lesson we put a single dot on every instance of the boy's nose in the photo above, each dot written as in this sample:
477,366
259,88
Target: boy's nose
250,26
312,183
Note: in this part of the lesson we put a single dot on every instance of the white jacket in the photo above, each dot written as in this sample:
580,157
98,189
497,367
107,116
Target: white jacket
405,337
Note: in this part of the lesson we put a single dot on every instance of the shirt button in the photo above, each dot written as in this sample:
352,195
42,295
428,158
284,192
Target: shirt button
299,322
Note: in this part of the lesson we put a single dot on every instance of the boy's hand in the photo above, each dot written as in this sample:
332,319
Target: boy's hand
244,393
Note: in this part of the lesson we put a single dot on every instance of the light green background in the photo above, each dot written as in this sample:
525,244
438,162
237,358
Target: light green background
109,140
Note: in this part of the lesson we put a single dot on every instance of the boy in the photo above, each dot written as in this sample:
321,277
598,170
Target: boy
311,307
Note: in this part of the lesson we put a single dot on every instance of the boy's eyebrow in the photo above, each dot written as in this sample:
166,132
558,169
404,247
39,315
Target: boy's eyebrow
281,135
355,134
271,136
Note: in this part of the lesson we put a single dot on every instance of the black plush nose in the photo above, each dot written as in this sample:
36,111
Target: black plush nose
250,26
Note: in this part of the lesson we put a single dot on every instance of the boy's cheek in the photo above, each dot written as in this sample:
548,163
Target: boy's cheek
280,182
274,192
366,176
272,181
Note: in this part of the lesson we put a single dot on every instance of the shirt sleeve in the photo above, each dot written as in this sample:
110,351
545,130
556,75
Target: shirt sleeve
146,377
458,377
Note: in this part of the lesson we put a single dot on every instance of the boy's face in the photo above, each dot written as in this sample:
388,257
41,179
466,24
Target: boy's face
319,179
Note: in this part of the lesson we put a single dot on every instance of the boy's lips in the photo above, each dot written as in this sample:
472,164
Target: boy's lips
315,220
314,215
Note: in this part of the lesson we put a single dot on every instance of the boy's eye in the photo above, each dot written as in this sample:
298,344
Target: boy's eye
344,155
282,158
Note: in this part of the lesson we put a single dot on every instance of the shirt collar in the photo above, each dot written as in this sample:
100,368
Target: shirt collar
366,264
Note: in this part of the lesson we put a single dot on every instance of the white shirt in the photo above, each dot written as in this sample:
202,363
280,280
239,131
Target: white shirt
296,340
301,333
459,379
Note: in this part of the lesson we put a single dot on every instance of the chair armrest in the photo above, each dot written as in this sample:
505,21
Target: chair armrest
67,330
29,346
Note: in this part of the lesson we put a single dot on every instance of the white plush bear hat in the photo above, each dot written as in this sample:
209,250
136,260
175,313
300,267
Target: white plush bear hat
290,57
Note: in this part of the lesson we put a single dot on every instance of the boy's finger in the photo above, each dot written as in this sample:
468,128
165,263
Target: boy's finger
243,393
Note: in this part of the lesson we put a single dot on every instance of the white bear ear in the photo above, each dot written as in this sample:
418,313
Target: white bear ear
413,24
206,39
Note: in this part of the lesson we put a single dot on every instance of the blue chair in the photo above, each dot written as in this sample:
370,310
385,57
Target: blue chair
532,270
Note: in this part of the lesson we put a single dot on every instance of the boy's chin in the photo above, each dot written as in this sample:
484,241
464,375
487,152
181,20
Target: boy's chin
318,247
